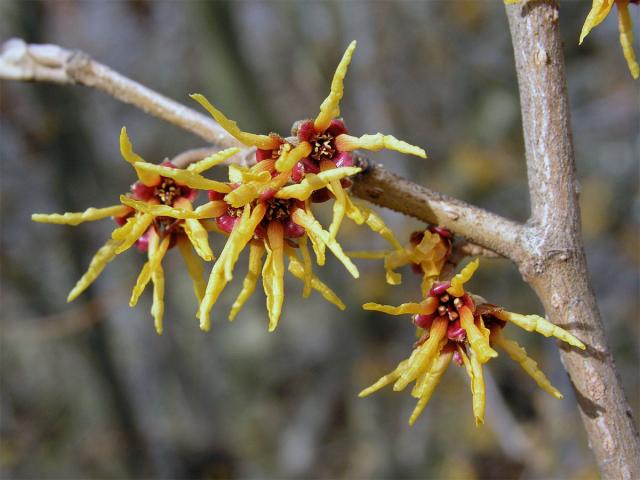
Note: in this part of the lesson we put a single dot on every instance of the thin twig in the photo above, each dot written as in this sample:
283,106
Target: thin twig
556,267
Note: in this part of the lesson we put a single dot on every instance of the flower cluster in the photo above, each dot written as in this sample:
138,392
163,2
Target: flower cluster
267,207
456,325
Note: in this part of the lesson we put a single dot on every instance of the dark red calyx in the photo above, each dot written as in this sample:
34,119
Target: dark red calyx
213,195
297,174
306,131
443,232
336,127
344,159
423,321
321,196
226,222
439,289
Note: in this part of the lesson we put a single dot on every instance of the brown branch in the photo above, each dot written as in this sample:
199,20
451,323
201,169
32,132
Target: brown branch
51,63
557,268
481,227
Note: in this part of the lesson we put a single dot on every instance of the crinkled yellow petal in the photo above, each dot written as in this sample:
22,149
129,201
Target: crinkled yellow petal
76,218
256,252
290,157
310,224
264,142
248,192
519,355
307,273
157,307
156,252
140,225
599,11
477,389
212,160
626,39
195,267
157,210
376,142
212,209
312,182
242,234
330,107
215,285
198,237
104,255
273,273
426,354
403,309
535,323
385,379
373,221
240,174
186,177
339,208
428,383
458,281
316,242
126,150
479,343
297,270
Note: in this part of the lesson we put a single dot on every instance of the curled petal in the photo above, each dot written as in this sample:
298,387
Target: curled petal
195,267
256,252
312,182
403,309
126,150
535,323
347,143
212,160
457,282
264,142
385,379
426,354
368,254
213,209
307,274
156,252
626,39
273,273
104,255
474,370
76,218
599,11
132,231
359,213
316,242
427,384
186,177
297,270
239,174
242,233
157,307
330,107
310,224
519,355
479,343
156,210
289,158
339,208
199,238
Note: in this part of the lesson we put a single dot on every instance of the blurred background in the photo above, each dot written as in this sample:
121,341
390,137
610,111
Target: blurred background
88,390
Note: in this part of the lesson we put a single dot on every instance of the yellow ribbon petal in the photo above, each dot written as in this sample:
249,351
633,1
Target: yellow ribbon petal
376,142
535,323
76,218
478,342
212,160
126,150
104,255
297,270
599,11
194,265
290,157
428,383
138,226
186,177
312,182
626,39
458,281
330,107
519,355
264,142
273,273
256,252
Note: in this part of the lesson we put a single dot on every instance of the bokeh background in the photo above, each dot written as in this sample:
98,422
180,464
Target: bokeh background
88,390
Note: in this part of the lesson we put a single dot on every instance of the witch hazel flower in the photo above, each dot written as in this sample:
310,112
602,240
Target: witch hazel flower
275,220
155,215
456,325
426,253
317,146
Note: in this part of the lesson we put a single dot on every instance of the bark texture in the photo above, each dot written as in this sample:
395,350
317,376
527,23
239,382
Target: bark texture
556,267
